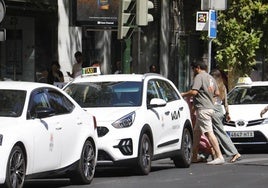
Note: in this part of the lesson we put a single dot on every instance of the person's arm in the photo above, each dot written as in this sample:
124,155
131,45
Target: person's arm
189,93
69,74
217,90
61,78
73,71
264,111
226,107
194,89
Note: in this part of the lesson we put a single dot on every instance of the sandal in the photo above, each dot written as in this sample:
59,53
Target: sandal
236,157
199,160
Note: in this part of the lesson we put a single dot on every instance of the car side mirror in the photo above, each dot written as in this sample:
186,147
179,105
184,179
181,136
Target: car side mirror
43,112
156,102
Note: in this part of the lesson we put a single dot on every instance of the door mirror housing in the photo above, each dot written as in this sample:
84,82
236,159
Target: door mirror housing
156,102
44,112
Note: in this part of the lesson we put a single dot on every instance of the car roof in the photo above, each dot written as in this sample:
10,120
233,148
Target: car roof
115,77
22,85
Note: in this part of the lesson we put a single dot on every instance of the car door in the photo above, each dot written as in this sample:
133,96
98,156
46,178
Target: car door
47,136
70,122
156,116
172,112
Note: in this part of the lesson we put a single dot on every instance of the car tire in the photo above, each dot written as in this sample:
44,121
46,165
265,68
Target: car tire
86,165
184,157
144,155
16,168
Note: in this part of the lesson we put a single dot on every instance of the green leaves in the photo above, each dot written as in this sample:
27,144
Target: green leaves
240,34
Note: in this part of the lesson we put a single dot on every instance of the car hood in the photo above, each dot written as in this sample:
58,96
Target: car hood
110,114
246,112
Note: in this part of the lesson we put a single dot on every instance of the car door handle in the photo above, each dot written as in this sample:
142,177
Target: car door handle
58,128
181,109
167,113
79,123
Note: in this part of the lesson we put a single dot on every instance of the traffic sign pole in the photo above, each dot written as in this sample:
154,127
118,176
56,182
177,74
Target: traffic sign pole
212,33
212,25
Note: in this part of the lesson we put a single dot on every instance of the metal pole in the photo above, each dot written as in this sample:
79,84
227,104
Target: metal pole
126,56
209,54
138,48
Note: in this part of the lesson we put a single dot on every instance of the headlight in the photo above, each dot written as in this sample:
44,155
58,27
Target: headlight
125,121
1,139
265,121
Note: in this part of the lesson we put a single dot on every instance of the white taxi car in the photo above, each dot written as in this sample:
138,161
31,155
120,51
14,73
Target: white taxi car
246,100
140,118
44,133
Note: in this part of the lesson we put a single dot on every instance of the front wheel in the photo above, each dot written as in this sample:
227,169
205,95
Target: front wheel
184,158
16,169
144,155
86,166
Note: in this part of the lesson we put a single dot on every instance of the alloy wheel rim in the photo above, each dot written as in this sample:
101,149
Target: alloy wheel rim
17,169
187,146
146,153
89,161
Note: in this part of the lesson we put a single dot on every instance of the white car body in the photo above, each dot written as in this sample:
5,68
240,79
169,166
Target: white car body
247,128
52,144
164,124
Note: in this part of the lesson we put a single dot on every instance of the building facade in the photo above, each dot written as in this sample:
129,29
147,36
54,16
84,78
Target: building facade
39,32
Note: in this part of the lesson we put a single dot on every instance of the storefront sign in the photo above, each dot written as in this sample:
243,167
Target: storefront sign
95,13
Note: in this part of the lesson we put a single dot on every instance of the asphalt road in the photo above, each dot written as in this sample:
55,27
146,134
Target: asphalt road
251,171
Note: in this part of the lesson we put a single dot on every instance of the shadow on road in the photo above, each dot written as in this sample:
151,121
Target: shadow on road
252,150
45,183
125,172
100,172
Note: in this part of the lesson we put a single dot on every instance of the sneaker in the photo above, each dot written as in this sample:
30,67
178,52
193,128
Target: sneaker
217,161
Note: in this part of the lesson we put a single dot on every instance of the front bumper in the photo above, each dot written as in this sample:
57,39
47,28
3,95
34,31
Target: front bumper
3,164
247,133
117,145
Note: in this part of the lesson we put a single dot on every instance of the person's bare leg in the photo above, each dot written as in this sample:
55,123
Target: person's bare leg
214,143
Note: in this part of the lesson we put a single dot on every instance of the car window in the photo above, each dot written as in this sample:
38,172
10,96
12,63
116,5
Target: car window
152,91
168,93
248,95
12,102
49,98
106,94
38,100
60,103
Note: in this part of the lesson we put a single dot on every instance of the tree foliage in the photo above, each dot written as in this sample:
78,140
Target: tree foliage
242,32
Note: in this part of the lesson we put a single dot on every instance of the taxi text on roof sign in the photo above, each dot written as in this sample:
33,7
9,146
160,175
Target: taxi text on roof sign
244,80
90,71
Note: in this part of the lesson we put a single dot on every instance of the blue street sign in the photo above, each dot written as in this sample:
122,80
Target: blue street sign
212,25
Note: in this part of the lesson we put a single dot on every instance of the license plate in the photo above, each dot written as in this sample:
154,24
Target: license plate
241,134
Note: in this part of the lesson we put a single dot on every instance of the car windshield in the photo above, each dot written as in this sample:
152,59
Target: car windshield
11,102
248,95
106,94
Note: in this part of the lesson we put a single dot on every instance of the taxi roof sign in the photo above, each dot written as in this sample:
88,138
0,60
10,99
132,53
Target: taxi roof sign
90,71
244,80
